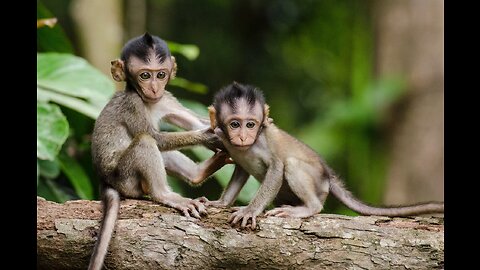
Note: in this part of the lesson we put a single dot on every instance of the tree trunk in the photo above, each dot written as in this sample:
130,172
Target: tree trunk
150,236
100,32
410,45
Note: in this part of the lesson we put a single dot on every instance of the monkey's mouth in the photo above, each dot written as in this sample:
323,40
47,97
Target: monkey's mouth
242,146
151,99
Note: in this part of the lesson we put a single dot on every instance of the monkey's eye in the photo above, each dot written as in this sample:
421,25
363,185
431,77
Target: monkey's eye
161,75
235,124
250,124
145,75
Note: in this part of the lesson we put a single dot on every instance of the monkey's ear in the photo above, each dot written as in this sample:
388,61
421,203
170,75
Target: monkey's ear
266,112
211,113
173,74
117,70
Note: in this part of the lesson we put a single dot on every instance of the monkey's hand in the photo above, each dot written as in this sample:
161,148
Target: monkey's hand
212,141
245,213
222,154
217,203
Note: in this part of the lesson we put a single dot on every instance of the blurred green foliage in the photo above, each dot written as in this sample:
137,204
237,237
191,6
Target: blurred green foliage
314,60
63,81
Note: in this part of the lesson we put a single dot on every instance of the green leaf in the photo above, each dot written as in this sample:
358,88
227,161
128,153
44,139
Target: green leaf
190,86
190,51
49,190
52,130
195,106
76,104
48,169
73,76
77,176
51,39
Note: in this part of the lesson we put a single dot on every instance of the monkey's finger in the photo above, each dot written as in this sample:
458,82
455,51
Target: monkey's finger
202,199
254,223
272,212
245,220
283,214
200,207
236,219
185,212
231,218
229,160
194,211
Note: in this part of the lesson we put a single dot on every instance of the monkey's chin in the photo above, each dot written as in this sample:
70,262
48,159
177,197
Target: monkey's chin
152,100
242,147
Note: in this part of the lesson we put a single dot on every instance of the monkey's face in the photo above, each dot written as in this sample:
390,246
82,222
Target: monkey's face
242,123
151,77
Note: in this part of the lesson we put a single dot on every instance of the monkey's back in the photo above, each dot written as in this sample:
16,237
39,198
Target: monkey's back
285,145
110,136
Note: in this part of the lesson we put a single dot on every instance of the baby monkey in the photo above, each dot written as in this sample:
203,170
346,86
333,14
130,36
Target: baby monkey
130,154
292,174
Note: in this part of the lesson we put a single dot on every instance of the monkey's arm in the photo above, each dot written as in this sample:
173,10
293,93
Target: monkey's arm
181,166
238,180
167,141
182,117
136,123
265,195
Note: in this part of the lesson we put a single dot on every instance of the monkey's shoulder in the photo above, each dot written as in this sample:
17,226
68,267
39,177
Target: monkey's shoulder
284,145
122,101
278,139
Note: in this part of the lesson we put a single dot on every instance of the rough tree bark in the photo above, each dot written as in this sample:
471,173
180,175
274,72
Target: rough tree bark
150,236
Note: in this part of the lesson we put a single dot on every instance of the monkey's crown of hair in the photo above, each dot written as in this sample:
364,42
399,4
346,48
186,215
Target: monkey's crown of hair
235,91
141,47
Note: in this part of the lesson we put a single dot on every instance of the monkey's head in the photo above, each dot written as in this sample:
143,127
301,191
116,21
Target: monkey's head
146,65
240,112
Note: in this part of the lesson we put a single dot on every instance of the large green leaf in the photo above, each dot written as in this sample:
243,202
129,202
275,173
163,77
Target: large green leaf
190,51
77,176
52,130
190,86
51,191
73,76
195,106
73,103
48,169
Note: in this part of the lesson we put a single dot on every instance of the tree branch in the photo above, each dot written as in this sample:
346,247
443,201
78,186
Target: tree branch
150,236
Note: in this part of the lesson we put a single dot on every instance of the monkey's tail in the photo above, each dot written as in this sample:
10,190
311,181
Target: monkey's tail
111,205
338,189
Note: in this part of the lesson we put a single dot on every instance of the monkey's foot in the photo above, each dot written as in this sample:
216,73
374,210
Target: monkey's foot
216,203
291,211
244,213
185,205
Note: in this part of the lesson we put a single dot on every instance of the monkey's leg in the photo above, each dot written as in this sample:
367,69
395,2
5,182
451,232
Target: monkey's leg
181,166
301,178
142,171
236,183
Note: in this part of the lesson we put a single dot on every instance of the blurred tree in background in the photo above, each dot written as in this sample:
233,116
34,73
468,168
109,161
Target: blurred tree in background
361,82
